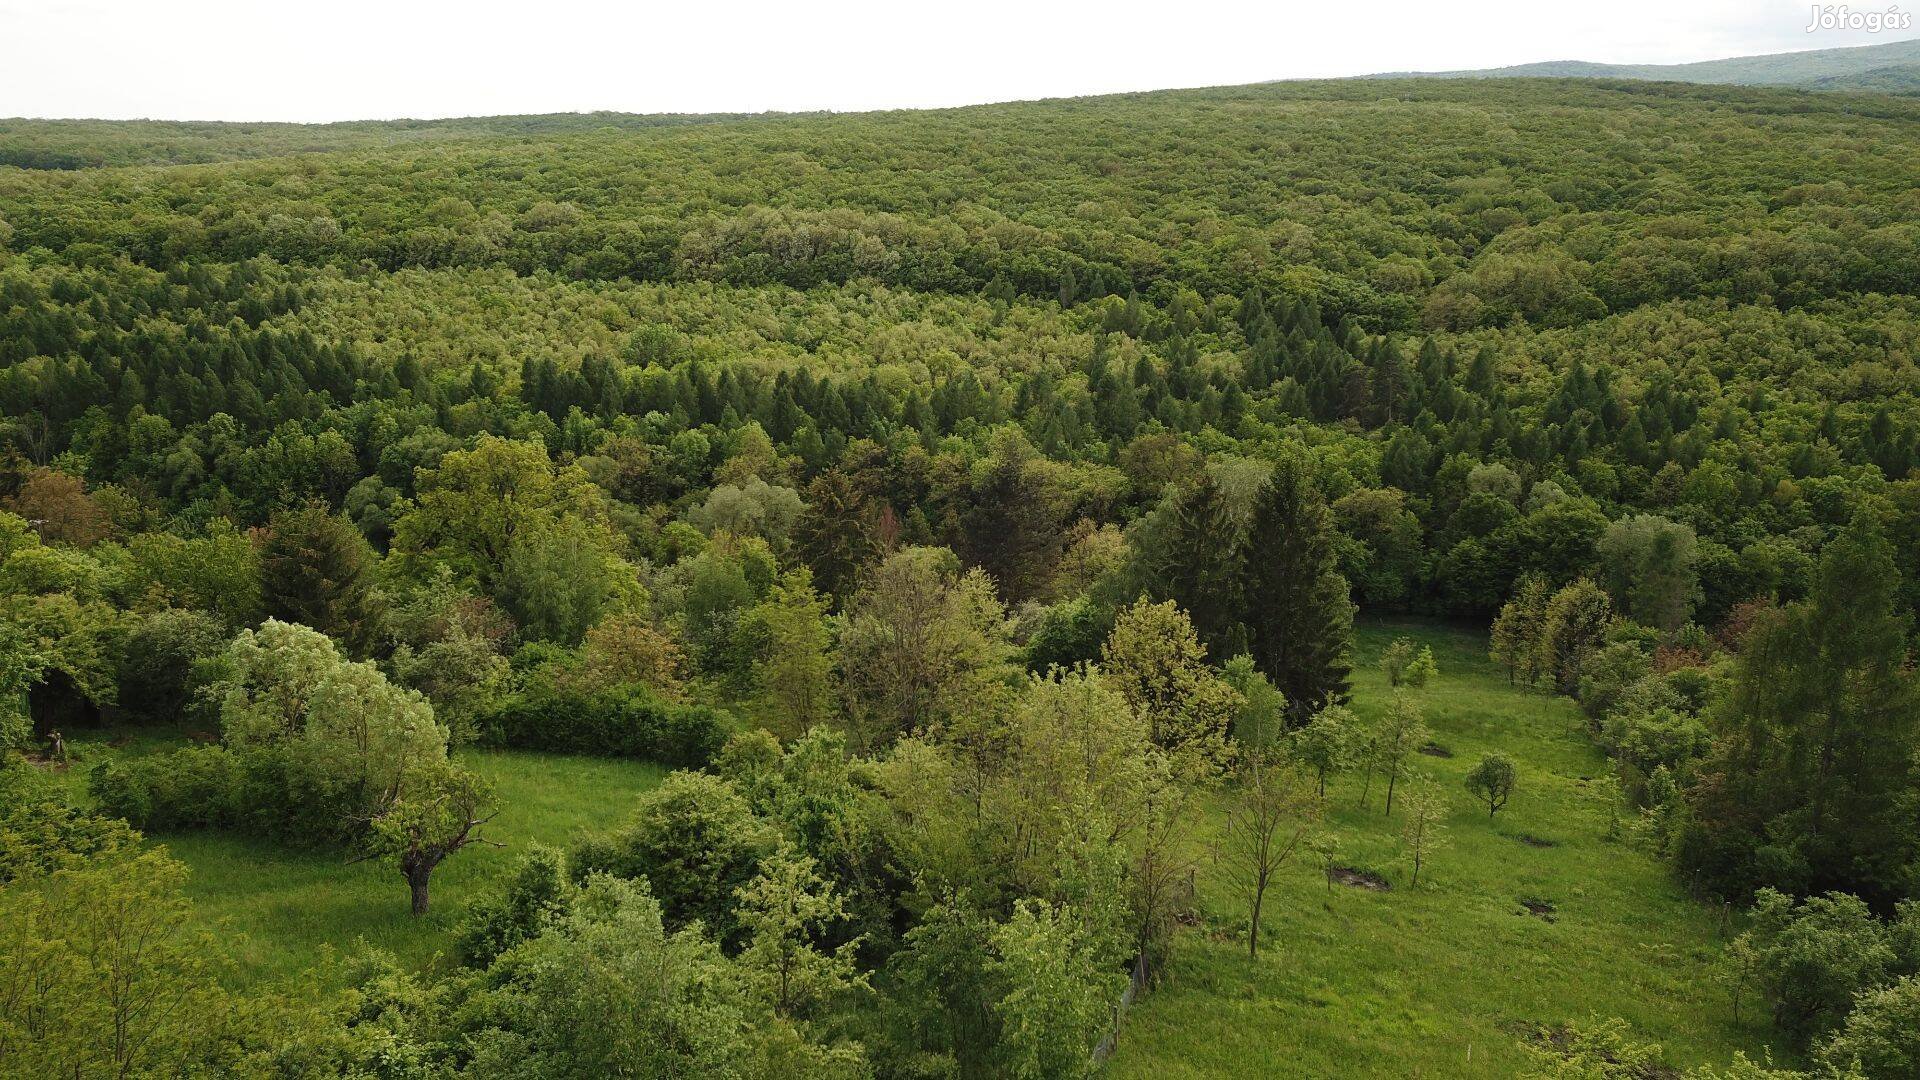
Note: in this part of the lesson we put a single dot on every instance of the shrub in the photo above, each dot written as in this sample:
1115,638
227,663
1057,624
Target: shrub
625,722
1812,956
694,839
197,787
537,891
1881,1036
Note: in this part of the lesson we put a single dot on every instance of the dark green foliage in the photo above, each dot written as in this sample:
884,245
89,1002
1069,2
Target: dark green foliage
520,908
1297,605
694,839
625,721
1200,562
316,569
1810,957
165,660
1809,787
195,788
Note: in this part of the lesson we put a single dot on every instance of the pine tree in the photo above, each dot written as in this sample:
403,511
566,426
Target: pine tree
1298,609
1200,565
317,569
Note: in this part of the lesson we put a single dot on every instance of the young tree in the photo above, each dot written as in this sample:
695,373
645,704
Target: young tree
1424,830
920,641
1329,744
1159,666
103,974
796,679
1299,613
1055,997
1199,561
694,839
1518,630
1271,812
1401,734
1261,719
533,895
439,810
1396,658
1648,562
784,910
1492,781
1574,629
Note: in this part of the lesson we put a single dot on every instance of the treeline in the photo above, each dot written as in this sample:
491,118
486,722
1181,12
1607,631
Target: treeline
1461,205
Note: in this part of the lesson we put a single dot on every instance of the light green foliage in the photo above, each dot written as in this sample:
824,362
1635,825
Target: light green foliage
921,642
1574,628
1401,733
1517,632
102,973
1157,663
783,910
1881,1035
534,892
1649,568
1493,781
1331,743
608,990
1423,831
797,684
694,839
1056,994
1810,957
1260,721
350,735
1407,664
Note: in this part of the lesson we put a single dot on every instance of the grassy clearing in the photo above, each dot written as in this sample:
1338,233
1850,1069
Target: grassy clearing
281,908
1437,981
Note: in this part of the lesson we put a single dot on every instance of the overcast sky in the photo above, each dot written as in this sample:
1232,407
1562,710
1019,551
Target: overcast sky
358,59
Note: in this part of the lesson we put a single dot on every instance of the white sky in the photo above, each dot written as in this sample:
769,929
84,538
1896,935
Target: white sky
358,59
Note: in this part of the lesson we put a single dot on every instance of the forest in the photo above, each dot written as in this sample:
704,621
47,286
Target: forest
1177,583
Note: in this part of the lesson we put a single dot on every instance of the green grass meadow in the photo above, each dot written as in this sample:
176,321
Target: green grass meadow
1442,980
281,908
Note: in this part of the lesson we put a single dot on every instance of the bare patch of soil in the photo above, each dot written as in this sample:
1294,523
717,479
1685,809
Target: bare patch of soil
1534,841
1434,749
1359,879
1538,908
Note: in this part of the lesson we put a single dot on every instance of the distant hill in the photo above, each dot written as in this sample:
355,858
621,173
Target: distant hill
1890,68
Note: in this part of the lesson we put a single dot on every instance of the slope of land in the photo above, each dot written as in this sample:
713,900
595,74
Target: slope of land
1447,979
1826,69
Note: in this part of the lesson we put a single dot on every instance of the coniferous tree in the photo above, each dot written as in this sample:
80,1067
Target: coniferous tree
1200,565
316,569
1298,610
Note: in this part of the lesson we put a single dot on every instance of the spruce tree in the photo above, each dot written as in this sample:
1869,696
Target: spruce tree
1298,610
1199,565
317,570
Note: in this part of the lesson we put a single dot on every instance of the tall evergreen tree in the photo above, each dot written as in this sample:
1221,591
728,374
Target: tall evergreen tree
1298,609
1810,787
1199,565
316,569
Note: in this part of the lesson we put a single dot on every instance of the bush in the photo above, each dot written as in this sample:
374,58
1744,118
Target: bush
695,839
536,893
198,787
624,722
1881,1037
1812,957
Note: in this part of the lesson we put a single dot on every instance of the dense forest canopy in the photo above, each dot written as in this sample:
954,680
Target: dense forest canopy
967,503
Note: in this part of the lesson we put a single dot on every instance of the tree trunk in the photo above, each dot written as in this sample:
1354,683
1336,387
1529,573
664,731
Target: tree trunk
417,872
1253,928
